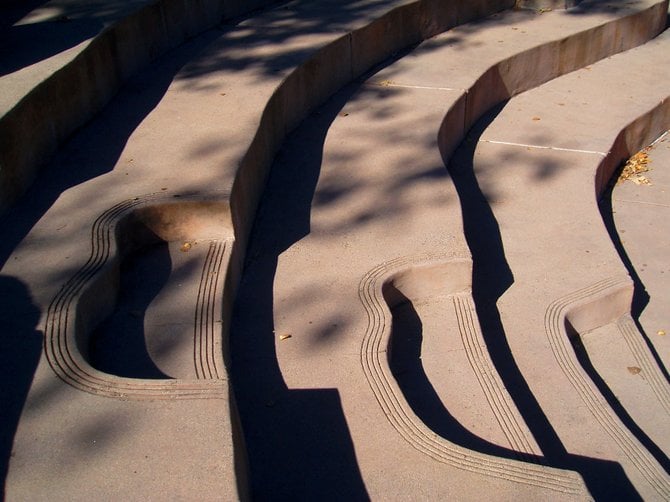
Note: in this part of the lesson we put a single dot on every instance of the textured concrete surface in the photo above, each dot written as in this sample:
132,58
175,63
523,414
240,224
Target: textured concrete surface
420,313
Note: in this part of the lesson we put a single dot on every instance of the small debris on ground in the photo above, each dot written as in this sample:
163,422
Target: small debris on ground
285,336
634,370
185,247
660,332
634,168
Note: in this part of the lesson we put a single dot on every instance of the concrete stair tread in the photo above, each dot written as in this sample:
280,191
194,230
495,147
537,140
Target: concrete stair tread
638,211
357,199
557,188
243,88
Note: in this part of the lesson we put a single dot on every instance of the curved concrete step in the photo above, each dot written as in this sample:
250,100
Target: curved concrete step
553,267
250,67
637,211
91,47
377,192
281,49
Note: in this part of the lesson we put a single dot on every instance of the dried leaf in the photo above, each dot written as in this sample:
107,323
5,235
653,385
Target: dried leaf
185,247
660,332
285,336
636,165
634,370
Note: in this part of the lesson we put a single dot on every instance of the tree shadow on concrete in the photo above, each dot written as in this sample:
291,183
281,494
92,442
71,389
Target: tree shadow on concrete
24,45
36,30
492,276
297,441
95,150
20,349
407,367
98,147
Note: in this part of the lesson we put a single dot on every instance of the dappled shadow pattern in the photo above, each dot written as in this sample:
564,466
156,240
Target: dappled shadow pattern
492,276
36,30
96,149
298,443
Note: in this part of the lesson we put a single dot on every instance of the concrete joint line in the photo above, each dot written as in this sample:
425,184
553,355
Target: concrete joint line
542,147
642,202
407,86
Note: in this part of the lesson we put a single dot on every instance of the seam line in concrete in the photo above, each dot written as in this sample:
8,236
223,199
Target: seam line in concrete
407,86
542,147
642,202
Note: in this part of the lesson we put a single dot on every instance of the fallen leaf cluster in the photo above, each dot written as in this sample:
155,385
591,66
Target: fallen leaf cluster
634,168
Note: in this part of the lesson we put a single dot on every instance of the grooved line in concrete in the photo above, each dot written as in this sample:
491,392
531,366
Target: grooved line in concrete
488,377
407,86
60,337
555,328
204,341
650,370
413,430
642,202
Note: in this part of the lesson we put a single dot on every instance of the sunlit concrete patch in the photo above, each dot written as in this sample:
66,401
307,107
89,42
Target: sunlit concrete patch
637,211
78,349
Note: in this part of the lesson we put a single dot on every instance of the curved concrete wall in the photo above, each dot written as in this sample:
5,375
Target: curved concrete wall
32,129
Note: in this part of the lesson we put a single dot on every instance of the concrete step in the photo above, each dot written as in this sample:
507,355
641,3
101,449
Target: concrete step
375,213
178,162
257,59
51,48
550,267
637,216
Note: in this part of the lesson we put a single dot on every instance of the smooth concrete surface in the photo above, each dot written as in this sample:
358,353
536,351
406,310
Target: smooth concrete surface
366,358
